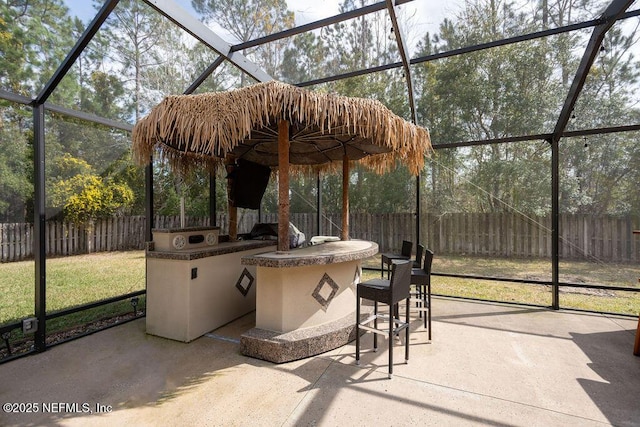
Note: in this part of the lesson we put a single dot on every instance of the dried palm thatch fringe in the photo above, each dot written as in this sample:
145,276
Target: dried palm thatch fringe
200,130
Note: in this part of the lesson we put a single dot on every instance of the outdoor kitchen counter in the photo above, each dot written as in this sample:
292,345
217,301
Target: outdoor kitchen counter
305,299
193,291
219,249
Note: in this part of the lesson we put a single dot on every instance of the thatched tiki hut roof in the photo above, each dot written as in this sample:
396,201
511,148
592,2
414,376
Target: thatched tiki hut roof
322,129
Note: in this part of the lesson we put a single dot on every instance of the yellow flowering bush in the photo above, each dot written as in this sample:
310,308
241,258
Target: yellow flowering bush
86,196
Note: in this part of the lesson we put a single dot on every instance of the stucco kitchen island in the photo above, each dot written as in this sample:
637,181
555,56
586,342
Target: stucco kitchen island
305,299
193,291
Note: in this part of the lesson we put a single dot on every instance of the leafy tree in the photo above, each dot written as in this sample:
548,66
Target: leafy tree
348,46
35,37
302,61
153,59
82,195
247,20
498,93
15,163
389,193
133,30
598,171
11,72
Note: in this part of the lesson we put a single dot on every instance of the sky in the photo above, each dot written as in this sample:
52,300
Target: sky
427,13
424,15
307,10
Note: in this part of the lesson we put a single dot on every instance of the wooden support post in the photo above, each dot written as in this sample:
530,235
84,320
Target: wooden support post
283,186
344,235
233,210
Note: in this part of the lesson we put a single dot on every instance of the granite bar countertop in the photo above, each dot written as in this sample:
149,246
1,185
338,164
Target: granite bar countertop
325,253
219,249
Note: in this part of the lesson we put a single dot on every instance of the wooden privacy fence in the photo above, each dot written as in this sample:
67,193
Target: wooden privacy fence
582,237
586,237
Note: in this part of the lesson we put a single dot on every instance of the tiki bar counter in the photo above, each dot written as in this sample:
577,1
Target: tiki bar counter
304,297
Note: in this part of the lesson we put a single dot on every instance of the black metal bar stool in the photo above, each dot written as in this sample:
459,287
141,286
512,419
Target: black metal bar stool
421,280
388,257
391,292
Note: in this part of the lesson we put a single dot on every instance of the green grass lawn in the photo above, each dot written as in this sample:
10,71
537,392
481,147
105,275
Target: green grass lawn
77,280
71,281
622,302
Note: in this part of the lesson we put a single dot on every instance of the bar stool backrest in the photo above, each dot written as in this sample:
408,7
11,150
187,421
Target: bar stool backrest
428,260
400,280
407,246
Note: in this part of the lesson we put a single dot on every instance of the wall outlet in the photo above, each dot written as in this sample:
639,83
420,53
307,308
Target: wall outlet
29,325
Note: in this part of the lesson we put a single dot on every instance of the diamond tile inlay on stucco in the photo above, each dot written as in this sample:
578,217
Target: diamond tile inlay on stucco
326,287
244,283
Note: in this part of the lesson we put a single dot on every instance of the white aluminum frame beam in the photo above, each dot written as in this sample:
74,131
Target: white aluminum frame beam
182,18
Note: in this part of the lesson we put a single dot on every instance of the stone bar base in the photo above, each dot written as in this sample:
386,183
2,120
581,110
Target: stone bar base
279,347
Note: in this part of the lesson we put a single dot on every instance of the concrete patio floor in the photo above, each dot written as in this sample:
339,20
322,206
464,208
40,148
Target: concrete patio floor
488,364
